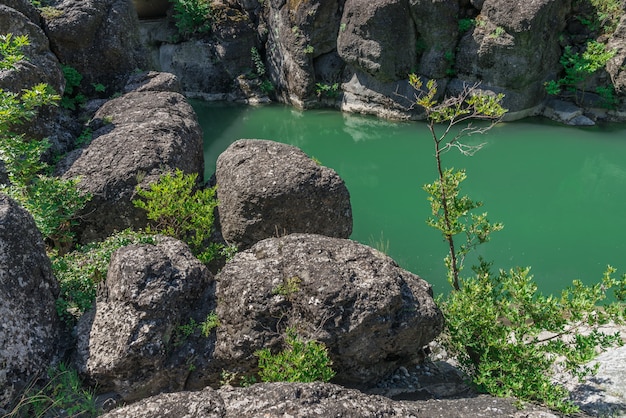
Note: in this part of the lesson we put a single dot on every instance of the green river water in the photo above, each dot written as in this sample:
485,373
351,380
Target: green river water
559,191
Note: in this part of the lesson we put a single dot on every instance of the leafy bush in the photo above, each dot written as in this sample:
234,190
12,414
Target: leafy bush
579,67
52,202
72,97
508,337
80,271
328,90
192,16
179,210
300,362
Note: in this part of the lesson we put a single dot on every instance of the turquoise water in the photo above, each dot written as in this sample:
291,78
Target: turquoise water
560,191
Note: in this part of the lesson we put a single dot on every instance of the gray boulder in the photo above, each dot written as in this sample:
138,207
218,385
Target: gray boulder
616,67
267,189
314,400
131,343
211,66
30,329
372,315
99,38
137,137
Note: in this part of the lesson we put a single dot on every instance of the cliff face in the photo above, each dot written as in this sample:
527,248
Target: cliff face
356,55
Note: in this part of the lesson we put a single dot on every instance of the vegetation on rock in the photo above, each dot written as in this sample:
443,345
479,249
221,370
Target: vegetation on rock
302,361
177,209
52,202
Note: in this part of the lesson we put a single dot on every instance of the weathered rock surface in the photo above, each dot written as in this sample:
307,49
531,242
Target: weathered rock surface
30,328
131,343
616,67
514,48
368,44
605,393
301,34
314,400
267,189
372,315
99,38
137,137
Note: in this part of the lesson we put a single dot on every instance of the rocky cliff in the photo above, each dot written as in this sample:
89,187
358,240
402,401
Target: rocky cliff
356,56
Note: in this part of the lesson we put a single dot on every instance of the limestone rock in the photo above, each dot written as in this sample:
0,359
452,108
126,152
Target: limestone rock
371,314
131,343
140,136
266,189
41,65
616,66
99,38
208,66
30,328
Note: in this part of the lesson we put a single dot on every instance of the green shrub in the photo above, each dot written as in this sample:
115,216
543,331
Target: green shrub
257,61
176,208
53,202
62,395
300,362
508,337
465,25
192,16
578,67
72,98
80,271
327,90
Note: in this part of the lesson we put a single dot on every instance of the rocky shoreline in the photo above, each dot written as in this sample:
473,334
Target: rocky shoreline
290,216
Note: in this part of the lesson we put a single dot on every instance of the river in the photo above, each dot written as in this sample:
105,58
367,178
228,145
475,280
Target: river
559,191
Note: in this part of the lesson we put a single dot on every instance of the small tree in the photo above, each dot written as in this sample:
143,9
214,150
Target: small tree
451,212
505,335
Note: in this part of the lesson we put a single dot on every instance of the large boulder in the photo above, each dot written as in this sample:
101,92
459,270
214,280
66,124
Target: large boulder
138,137
99,38
132,342
30,329
616,66
372,315
267,189
41,66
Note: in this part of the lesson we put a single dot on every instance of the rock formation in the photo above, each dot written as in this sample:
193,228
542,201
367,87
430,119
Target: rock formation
269,189
372,315
30,328
314,400
100,39
131,341
136,138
